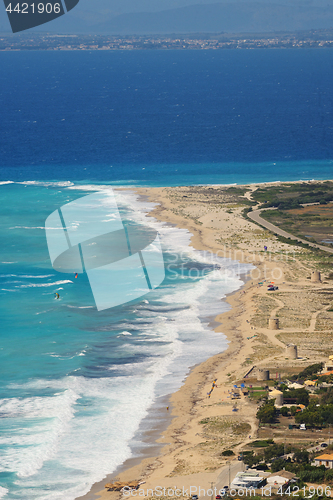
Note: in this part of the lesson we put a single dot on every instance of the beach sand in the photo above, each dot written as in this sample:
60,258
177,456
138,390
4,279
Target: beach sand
201,426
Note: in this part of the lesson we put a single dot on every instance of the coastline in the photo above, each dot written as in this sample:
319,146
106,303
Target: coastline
163,439
183,436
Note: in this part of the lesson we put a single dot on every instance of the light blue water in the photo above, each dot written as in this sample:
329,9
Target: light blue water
75,383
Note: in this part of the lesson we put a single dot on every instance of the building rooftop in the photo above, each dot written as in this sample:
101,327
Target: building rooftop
282,473
325,456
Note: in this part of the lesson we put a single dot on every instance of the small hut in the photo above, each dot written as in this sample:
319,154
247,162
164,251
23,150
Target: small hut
315,277
263,374
291,351
274,323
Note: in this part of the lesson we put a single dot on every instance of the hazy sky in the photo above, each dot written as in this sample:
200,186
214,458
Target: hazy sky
96,14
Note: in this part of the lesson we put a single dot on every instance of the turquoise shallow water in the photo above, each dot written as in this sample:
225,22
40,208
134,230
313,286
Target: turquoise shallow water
76,383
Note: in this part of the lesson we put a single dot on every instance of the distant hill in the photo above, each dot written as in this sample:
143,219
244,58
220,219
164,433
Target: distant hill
217,17
231,16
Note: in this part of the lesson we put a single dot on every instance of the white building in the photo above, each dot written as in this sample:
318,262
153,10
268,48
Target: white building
325,459
247,479
280,478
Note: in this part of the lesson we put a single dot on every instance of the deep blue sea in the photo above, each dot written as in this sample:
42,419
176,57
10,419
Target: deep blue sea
167,117
76,383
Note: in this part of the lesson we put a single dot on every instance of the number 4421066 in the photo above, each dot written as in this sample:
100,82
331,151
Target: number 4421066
32,8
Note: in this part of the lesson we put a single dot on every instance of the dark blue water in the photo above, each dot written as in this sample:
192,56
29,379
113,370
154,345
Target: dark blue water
167,117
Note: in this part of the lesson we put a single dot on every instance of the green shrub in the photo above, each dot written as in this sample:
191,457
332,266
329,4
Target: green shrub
262,443
267,412
284,411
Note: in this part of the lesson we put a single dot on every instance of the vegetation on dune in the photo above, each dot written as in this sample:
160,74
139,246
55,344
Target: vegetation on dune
288,196
301,396
262,443
267,412
302,209
308,372
316,416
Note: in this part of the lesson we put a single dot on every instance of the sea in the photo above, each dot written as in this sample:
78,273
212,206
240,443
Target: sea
78,384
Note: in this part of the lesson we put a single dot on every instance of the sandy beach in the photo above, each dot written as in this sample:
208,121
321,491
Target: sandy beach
202,425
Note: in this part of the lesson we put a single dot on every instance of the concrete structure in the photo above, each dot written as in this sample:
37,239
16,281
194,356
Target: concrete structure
273,323
262,374
315,277
279,478
248,479
328,367
278,396
291,351
325,459
295,385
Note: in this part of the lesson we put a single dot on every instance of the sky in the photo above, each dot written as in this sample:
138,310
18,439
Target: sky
172,16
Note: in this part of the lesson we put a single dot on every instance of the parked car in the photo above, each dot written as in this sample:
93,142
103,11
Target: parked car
218,497
195,497
272,288
324,445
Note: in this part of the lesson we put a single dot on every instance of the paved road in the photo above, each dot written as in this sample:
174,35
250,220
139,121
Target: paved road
223,478
319,448
255,216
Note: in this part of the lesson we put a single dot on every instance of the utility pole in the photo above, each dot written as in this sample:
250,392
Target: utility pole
229,476
211,487
329,434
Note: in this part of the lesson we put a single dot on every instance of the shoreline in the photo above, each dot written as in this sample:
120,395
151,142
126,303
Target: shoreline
190,400
156,439
137,464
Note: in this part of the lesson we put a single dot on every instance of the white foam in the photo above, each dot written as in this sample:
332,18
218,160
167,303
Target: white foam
39,285
82,443
91,187
47,184
3,492
31,227
31,447
26,276
2,183
78,307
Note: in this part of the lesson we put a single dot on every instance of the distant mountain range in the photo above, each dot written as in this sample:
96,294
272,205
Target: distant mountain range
226,16
221,17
